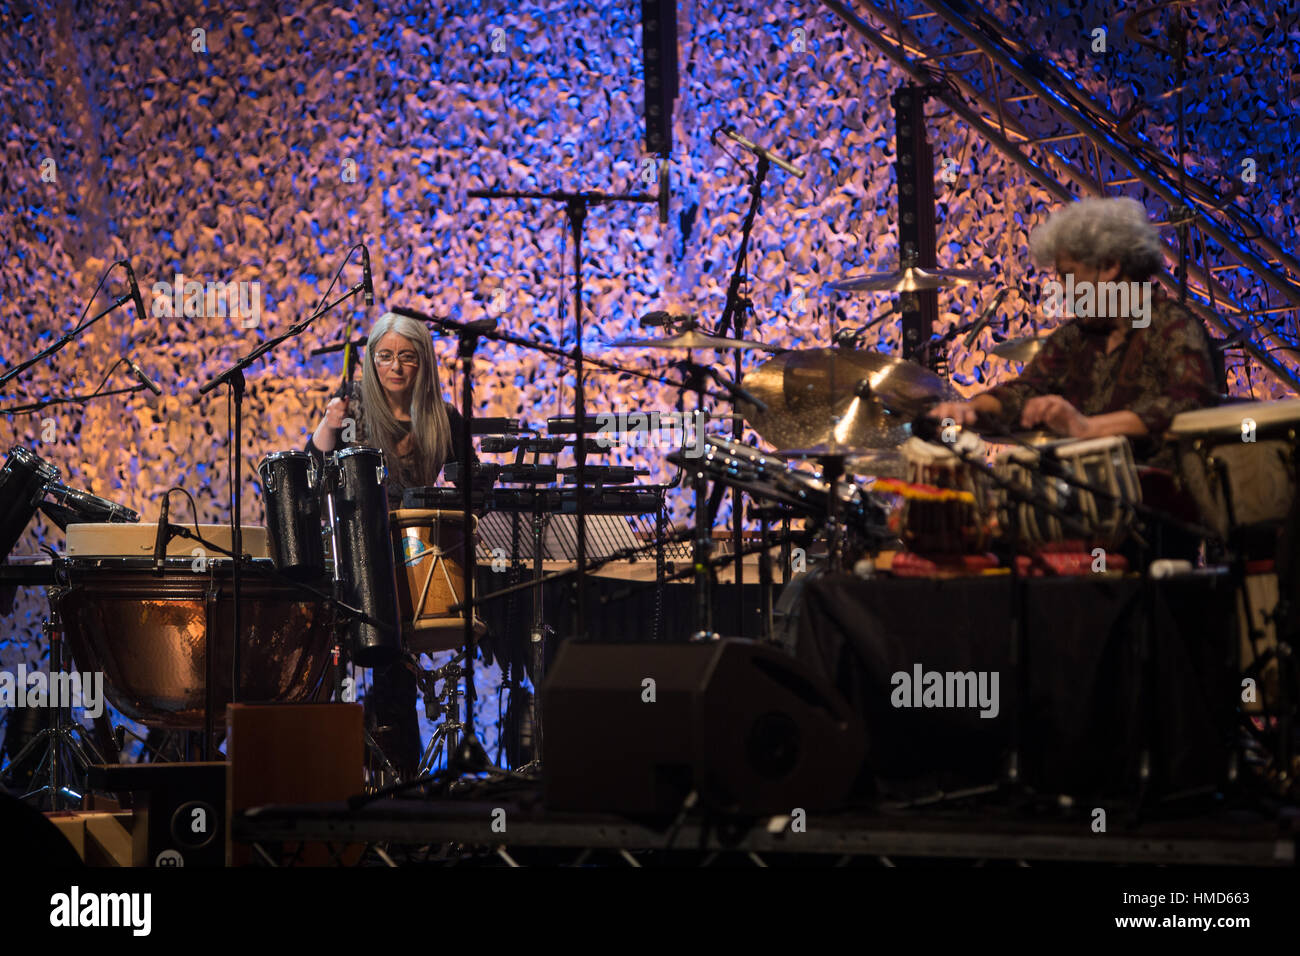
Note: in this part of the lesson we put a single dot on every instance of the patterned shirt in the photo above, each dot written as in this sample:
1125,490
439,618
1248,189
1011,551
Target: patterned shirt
1156,372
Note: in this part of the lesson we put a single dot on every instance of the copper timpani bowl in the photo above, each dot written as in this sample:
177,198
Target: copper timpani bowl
148,633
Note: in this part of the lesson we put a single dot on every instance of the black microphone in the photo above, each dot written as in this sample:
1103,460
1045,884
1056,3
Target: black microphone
663,192
757,150
135,292
160,540
367,281
984,317
138,372
654,320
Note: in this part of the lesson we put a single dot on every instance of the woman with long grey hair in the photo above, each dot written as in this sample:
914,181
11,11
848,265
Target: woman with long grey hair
397,407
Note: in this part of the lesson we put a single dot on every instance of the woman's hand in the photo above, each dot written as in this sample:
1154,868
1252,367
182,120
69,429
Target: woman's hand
335,412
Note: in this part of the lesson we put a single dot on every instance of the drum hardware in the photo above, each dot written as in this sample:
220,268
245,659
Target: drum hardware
60,740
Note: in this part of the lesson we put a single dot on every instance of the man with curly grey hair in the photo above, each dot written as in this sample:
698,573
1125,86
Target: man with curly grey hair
1127,360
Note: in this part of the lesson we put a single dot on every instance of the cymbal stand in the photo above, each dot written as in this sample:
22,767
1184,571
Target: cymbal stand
576,205
694,377
60,738
734,318
538,633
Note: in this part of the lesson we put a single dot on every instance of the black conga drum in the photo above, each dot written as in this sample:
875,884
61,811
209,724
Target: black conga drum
22,486
363,553
291,496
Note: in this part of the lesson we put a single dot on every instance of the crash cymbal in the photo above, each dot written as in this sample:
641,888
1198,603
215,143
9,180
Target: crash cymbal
1019,350
691,339
909,279
861,400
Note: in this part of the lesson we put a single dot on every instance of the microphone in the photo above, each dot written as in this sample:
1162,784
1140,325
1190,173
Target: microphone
135,296
984,317
655,320
367,281
160,540
759,151
664,166
138,372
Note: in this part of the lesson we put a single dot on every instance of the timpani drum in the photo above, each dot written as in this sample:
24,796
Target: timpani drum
430,554
1238,461
1106,515
147,629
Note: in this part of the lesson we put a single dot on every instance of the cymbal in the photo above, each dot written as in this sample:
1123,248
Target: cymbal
859,461
691,339
909,279
823,450
1019,350
857,400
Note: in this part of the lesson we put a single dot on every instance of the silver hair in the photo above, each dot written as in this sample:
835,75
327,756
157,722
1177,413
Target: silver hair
1099,232
430,427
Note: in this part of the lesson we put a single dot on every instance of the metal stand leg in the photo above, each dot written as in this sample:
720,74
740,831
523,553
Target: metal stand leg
60,740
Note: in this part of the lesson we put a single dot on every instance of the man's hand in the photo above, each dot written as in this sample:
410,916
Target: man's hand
1055,414
962,413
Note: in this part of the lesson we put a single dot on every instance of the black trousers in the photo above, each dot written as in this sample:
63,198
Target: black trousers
391,715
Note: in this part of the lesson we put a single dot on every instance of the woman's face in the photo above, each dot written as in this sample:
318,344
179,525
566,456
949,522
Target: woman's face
397,363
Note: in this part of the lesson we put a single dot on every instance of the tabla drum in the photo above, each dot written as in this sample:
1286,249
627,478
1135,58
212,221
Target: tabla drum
147,631
429,549
291,498
1238,461
1102,512
363,553
943,511
23,480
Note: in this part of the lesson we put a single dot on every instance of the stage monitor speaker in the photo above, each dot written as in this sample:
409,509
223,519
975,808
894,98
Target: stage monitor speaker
634,728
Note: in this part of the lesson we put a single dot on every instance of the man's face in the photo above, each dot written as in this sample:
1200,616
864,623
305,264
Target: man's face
1088,274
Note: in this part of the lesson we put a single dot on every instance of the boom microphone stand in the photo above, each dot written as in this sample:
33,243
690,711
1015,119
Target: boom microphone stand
234,377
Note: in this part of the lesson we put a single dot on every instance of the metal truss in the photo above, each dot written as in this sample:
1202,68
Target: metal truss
1039,117
451,833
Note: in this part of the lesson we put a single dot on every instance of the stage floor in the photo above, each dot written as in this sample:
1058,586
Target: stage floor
456,830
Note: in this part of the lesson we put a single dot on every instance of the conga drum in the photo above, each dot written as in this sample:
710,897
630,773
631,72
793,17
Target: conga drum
430,555
291,496
357,504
